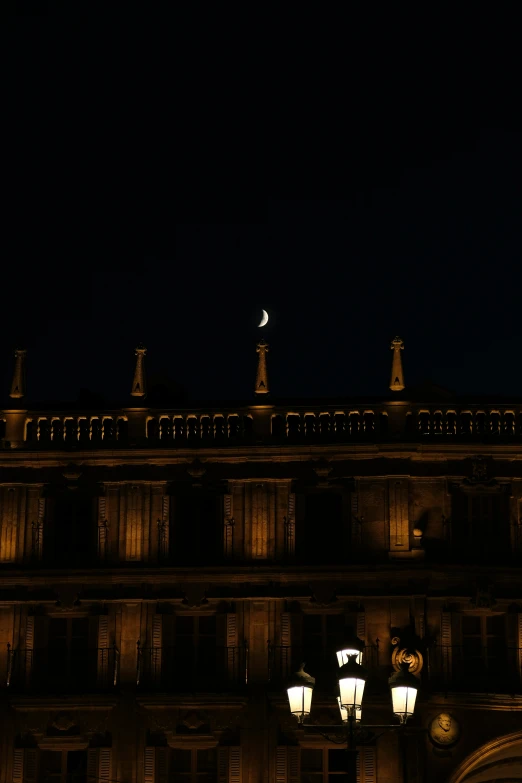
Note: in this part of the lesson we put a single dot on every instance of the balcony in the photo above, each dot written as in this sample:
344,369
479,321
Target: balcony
44,671
177,670
452,668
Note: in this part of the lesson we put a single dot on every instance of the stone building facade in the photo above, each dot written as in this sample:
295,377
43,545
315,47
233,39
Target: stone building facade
164,569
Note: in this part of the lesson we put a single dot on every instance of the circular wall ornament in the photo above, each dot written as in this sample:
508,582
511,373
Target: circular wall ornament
444,730
412,657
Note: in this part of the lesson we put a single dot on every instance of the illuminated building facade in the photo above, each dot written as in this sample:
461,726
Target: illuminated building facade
165,568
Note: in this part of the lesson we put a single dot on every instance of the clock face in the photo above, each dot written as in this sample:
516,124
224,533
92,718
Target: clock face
444,730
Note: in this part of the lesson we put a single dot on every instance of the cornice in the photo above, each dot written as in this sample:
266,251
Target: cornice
281,452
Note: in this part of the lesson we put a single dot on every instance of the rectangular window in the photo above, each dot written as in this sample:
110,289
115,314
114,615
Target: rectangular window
323,635
329,765
62,656
196,528
480,525
63,766
195,651
320,536
482,658
193,766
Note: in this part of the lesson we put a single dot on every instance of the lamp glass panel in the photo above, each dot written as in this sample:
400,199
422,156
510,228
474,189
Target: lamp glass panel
403,699
351,690
300,699
343,655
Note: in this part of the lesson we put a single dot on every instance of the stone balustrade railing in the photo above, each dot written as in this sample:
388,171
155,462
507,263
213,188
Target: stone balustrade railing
276,423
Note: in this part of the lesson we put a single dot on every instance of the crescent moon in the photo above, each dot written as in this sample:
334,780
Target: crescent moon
264,319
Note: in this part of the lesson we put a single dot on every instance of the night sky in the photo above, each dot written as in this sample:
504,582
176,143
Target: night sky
103,248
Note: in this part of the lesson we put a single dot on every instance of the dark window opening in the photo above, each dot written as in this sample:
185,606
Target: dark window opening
320,533
196,528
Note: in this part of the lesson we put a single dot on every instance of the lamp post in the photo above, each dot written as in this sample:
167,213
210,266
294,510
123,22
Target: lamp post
352,680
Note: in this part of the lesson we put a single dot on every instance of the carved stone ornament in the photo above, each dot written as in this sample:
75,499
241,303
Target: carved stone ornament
322,470
71,472
444,730
323,593
63,721
410,656
194,720
194,595
483,598
196,469
68,598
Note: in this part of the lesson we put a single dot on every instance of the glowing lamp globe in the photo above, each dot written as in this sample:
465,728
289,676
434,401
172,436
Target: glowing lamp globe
299,688
404,687
352,679
352,646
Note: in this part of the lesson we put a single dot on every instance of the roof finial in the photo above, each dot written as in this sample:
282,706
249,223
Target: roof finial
138,384
397,374
262,377
18,384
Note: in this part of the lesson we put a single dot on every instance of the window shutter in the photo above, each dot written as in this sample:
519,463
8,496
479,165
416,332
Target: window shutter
162,765
286,633
18,765
150,765
445,629
287,764
290,526
228,526
103,649
156,635
293,764
361,625
296,630
30,765
232,629
222,765
105,764
234,765
29,647
281,776
445,641
92,765
519,644
232,644
367,762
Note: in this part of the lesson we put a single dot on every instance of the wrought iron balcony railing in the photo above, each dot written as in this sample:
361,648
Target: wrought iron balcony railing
44,670
175,669
474,670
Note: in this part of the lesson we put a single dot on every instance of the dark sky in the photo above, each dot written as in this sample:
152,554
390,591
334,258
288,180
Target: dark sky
117,231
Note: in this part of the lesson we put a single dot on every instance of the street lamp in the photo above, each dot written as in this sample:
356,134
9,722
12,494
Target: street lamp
352,679
299,688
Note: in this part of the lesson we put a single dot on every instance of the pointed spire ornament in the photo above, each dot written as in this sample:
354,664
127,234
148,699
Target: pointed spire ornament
397,374
138,384
18,384
262,377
